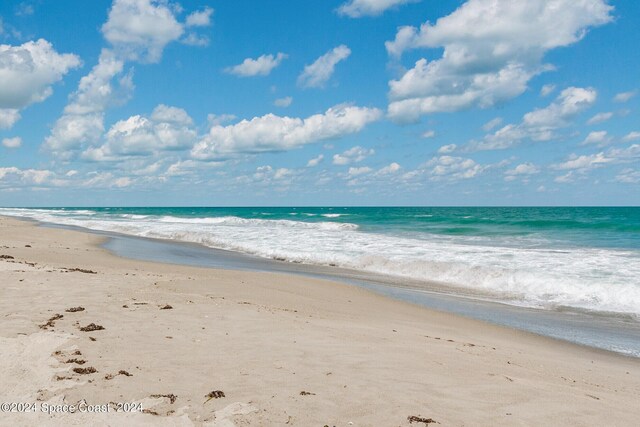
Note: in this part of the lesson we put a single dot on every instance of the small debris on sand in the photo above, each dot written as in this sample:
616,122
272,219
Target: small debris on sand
172,397
76,361
216,394
51,322
92,338
166,307
80,270
414,419
306,393
74,309
6,257
92,327
120,372
27,246
85,371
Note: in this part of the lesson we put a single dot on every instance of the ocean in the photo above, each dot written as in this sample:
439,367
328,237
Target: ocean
550,258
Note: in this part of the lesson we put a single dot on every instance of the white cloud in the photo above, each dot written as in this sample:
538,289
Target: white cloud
628,176
631,136
27,73
428,134
523,169
547,90
359,171
599,138
201,18
624,96
283,102
193,39
389,169
83,118
540,124
599,118
353,155
452,168
261,66
491,124
272,133
8,117
12,176
492,48
14,142
317,74
315,161
359,8
168,128
446,149
140,29
583,162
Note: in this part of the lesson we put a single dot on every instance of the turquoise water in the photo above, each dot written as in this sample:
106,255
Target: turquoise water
585,258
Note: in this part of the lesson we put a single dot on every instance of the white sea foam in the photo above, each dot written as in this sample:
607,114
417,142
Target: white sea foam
537,275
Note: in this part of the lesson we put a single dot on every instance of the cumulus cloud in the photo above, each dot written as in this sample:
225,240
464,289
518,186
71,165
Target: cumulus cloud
446,149
318,73
631,136
359,8
540,124
492,48
260,66
271,133
523,169
199,18
353,155
168,128
315,161
599,118
599,138
8,117
14,142
624,96
83,118
140,29
428,134
27,73
492,124
283,102
389,169
547,90
359,171
14,177
628,176
452,168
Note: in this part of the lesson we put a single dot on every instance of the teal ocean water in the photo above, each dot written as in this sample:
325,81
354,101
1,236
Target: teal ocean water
585,258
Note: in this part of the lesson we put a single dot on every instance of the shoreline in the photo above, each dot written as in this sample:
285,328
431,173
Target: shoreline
613,332
263,338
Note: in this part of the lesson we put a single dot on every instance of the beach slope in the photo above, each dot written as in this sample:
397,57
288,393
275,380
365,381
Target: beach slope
177,345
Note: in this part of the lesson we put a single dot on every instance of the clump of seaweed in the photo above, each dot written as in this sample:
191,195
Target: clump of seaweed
172,397
74,309
415,419
51,322
91,327
216,394
85,371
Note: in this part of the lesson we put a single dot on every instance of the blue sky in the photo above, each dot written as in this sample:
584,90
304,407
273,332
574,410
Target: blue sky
350,102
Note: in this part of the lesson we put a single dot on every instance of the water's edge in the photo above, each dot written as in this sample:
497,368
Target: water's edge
620,335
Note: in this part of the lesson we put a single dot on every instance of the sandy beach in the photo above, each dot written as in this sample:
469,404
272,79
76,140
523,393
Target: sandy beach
193,346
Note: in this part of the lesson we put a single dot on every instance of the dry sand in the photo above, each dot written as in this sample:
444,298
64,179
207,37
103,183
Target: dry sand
264,339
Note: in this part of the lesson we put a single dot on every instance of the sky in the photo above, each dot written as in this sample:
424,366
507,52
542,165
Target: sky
319,102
